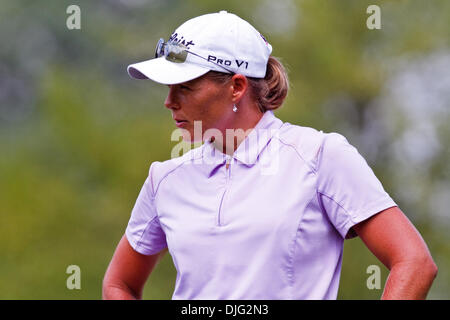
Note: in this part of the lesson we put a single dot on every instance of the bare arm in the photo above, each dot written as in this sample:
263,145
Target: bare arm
398,245
127,272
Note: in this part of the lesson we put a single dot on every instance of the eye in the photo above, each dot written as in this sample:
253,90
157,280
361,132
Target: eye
182,86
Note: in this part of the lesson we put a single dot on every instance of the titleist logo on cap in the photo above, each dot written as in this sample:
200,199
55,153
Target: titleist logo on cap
174,38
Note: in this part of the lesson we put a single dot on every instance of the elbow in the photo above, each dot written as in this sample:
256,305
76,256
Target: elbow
110,289
106,285
421,266
428,267
105,289
118,290
431,272
433,269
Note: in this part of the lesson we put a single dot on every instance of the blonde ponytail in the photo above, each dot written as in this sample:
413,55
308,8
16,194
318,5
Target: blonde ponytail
271,91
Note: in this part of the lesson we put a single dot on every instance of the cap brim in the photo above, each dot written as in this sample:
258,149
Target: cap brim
162,71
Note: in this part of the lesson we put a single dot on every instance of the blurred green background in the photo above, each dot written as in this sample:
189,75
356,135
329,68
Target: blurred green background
77,134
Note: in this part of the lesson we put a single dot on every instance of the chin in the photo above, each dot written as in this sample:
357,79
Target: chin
188,137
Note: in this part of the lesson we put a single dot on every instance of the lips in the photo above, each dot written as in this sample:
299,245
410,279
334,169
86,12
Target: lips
180,123
178,120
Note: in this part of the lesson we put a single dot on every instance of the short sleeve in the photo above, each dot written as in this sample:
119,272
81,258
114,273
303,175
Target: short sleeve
144,232
348,190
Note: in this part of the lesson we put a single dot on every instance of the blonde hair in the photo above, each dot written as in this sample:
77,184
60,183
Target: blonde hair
270,91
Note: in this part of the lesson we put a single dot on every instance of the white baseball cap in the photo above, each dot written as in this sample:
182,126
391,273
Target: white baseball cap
217,41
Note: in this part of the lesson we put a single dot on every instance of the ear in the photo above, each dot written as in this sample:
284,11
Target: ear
239,86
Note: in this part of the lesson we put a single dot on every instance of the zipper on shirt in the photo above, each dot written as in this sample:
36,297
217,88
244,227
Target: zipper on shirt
227,182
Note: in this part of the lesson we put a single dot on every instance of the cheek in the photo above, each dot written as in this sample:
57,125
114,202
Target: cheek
207,105
217,102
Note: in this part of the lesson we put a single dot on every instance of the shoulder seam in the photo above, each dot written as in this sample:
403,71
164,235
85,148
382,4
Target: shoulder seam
298,153
179,165
139,242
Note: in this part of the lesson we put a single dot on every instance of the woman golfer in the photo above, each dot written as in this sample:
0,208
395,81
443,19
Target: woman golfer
261,209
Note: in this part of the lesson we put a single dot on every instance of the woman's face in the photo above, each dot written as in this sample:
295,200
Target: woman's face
200,100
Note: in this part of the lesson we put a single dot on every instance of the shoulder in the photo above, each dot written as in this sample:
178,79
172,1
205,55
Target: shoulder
310,144
159,170
335,146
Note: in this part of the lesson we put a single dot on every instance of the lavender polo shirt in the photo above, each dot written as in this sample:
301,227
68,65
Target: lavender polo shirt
271,226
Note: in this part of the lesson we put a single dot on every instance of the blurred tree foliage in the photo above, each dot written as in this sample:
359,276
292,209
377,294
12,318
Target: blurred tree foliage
77,135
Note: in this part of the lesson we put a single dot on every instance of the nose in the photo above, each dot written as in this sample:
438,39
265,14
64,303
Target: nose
170,101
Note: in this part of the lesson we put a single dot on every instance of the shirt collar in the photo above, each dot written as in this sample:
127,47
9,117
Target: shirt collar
250,148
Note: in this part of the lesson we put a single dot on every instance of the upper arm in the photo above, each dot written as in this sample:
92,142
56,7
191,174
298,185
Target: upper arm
130,269
348,189
144,231
392,238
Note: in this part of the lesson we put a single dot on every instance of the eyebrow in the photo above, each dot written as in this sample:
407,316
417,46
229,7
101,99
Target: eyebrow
190,83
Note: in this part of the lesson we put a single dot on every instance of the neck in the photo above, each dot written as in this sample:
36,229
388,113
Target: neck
244,121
